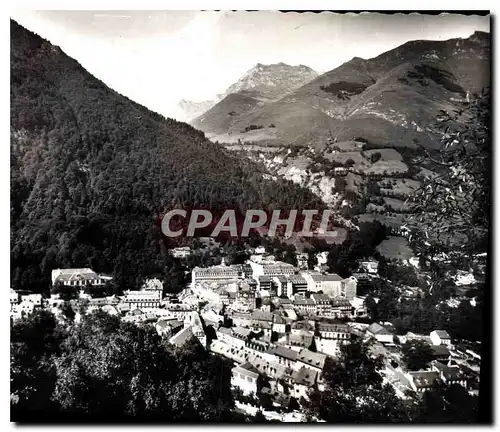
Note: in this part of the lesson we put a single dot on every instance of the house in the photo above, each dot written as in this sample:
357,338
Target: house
302,261
298,327
380,333
245,377
323,304
280,282
338,331
143,299
181,252
14,297
311,360
167,328
34,299
440,337
450,374
78,277
241,319
260,250
297,342
422,381
279,323
341,307
330,284
369,266
296,284
246,297
303,380
441,353
415,262
179,310
304,304
281,355
182,337
264,283
349,288
220,273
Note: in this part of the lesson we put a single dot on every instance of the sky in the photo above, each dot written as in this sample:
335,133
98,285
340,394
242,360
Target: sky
158,58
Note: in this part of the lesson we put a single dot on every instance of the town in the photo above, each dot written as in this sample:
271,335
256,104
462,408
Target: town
277,323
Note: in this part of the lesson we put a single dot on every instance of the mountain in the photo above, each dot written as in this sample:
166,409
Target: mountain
272,82
191,110
262,82
92,172
387,100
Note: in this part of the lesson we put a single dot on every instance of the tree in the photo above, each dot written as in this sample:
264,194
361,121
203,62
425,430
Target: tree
453,207
354,391
259,417
448,404
417,355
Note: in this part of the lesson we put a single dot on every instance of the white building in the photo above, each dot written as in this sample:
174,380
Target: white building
181,252
14,297
380,333
440,337
369,266
34,299
78,277
271,269
245,377
142,299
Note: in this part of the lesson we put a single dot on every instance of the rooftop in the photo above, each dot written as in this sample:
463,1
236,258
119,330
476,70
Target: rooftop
377,329
423,379
312,358
443,334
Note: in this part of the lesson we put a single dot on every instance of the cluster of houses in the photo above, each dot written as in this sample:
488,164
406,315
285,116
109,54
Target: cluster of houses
276,322
449,365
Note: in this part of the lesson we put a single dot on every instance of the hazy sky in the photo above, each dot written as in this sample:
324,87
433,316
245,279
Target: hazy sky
159,57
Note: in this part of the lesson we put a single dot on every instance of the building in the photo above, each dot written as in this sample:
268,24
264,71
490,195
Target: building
245,378
241,319
311,360
246,297
182,337
323,304
304,304
265,283
302,261
14,297
380,333
341,307
79,277
440,337
296,284
280,282
349,288
181,252
298,327
178,310
143,299
450,374
271,269
281,355
422,381
32,299
220,273
369,266
337,331
329,284
153,285
303,380
279,323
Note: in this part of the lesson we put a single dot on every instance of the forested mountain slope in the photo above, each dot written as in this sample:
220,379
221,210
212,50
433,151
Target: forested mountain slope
92,172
